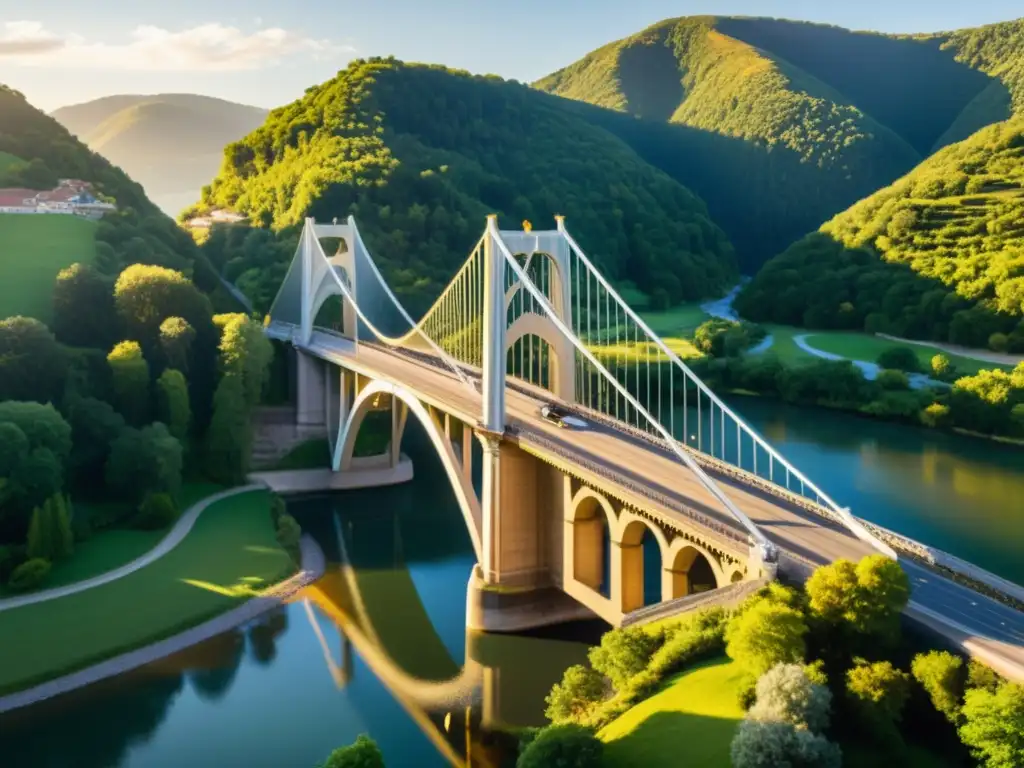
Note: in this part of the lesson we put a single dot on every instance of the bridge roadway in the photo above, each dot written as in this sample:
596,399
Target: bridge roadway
624,464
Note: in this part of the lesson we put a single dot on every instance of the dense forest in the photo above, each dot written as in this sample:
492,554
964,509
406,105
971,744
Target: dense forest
767,121
938,255
420,154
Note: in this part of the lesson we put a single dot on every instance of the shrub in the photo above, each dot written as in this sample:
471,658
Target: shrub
29,575
362,753
935,415
564,746
157,511
893,380
899,359
580,688
278,507
622,654
943,368
771,745
786,695
998,342
940,673
994,725
49,531
691,641
288,534
766,634
879,691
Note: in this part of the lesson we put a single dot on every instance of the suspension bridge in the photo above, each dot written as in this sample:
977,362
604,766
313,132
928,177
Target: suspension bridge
529,320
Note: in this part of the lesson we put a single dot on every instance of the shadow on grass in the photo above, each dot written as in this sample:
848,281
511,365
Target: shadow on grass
671,739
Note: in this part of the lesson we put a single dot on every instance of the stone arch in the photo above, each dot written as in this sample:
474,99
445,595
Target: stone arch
592,517
632,528
561,355
689,559
464,493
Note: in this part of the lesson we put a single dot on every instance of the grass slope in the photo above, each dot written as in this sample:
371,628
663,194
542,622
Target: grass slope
170,143
766,120
421,154
33,249
938,255
695,715
230,550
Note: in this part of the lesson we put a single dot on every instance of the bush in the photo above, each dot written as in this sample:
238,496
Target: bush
622,654
899,359
288,534
943,368
994,725
157,511
564,746
940,673
580,688
766,634
278,507
697,638
879,691
893,380
362,753
29,575
49,531
786,695
935,415
771,745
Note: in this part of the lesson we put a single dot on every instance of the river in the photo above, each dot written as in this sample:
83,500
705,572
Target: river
284,692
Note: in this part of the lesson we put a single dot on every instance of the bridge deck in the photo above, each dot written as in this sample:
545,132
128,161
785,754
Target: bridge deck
626,464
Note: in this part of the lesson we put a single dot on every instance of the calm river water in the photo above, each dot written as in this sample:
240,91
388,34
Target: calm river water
312,676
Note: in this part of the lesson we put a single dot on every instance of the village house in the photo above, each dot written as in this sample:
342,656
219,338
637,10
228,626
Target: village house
70,197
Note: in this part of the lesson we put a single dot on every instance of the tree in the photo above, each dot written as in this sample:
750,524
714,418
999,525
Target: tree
176,337
764,635
172,403
229,437
935,415
942,675
880,691
130,373
49,532
994,725
899,359
363,753
565,746
579,689
146,295
83,307
32,364
760,744
868,596
786,694
157,511
144,461
622,654
245,351
29,575
94,426
942,367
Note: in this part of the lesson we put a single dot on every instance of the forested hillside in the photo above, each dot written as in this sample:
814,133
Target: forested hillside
770,123
172,144
137,233
421,154
937,255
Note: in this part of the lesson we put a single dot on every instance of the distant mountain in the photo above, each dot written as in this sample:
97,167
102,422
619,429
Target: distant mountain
937,255
778,125
420,154
170,143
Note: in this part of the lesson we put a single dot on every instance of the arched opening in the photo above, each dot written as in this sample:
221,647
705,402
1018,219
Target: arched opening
641,565
592,546
530,359
692,572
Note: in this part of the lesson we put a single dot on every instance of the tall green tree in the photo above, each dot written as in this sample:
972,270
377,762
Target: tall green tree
229,437
765,634
172,403
868,597
176,337
32,364
83,307
49,532
144,461
994,725
146,295
130,373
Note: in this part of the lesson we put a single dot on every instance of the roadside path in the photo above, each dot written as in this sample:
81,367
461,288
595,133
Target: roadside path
313,566
870,370
173,538
986,356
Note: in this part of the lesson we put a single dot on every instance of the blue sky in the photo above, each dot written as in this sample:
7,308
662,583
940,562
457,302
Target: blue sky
265,52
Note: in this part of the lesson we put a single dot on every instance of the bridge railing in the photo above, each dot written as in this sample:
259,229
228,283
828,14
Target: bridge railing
642,361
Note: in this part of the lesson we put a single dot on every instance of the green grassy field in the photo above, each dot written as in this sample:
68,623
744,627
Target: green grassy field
678,321
33,249
859,346
230,552
695,716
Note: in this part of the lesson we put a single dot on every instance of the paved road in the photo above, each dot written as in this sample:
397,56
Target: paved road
173,538
629,468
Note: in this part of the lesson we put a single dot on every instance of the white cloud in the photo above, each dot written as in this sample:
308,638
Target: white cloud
205,48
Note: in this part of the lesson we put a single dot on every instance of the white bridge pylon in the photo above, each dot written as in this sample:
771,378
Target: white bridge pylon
530,306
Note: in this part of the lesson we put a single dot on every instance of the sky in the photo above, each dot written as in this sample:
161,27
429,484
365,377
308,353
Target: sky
267,52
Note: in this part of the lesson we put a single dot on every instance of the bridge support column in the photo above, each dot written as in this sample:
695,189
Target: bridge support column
311,394
627,567
399,414
490,505
494,320
674,584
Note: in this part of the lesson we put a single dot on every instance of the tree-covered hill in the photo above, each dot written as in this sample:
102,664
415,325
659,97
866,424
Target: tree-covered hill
172,144
420,154
778,125
937,255
137,233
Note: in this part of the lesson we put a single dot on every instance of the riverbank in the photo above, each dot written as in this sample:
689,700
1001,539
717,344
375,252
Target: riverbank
226,557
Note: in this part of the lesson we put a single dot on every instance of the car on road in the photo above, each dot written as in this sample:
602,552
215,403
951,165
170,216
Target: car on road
561,417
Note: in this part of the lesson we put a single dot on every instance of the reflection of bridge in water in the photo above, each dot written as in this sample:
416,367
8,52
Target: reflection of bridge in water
380,616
